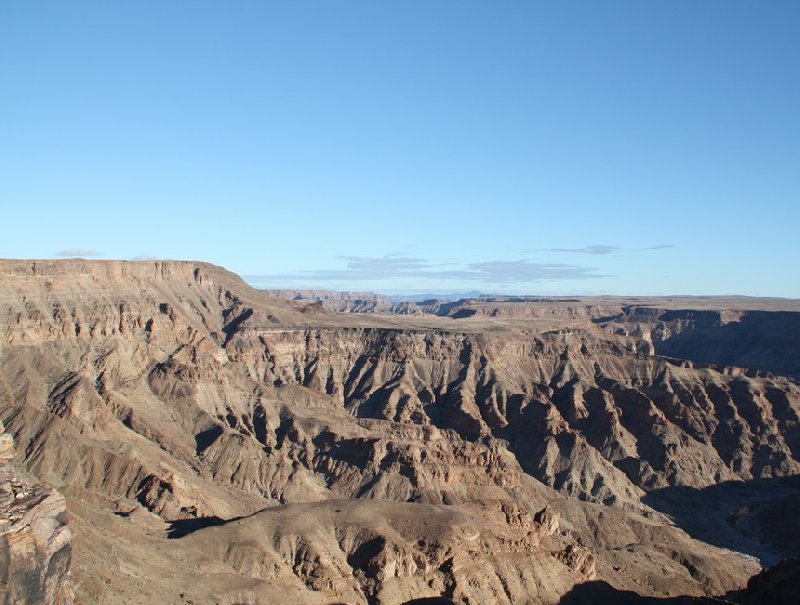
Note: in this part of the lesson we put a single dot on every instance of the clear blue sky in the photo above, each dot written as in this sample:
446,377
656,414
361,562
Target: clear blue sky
560,147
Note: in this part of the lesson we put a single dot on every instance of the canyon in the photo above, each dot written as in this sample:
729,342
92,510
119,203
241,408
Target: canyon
199,441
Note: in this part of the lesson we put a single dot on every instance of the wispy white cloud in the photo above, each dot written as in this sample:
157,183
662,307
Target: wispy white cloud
392,267
662,247
144,257
597,249
77,253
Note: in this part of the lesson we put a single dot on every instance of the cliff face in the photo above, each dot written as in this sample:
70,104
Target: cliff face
761,334
35,542
557,400
259,448
765,340
348,302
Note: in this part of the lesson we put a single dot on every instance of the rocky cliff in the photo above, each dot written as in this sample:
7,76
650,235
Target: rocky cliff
258,448
348,302
725,331
35,541
748,338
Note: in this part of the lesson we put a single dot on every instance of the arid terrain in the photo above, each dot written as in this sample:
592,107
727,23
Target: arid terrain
212,443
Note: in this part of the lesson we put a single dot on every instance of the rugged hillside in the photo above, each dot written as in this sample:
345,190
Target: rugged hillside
348,302
255,447
755,333
557,400
766,340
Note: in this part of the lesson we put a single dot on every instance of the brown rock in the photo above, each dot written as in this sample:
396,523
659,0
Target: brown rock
219,445
35,542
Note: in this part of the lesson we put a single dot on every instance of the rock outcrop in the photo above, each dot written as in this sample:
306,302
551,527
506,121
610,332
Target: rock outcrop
35,542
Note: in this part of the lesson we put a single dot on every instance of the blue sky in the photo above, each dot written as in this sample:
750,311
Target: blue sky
561,147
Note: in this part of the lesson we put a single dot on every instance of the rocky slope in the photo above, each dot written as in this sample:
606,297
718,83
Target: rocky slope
350,302
725,331
336,301
35,542
257,447
759,339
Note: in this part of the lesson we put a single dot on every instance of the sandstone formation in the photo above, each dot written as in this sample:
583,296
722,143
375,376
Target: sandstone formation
218,445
